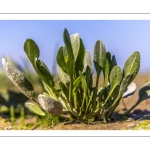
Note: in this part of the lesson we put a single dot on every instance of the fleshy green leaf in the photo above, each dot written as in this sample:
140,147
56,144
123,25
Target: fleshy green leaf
63,76
32,50
115,80
33,54
84,84
115,92
50,105
75,42
64,89
132,65
106,68
115,77
87,60
113,63
18,79
99,55
124,84
50,92
62,58
44,72
85,89
70,60
34,109
79,64
89,77
144,92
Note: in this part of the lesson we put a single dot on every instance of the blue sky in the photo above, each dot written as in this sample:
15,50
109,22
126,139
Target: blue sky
121,37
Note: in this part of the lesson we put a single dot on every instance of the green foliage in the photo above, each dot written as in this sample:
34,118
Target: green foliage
77,96
143,125
48,120
13,118
34,108
144,93
18,79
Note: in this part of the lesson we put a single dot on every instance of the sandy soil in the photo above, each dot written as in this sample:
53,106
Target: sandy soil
140,113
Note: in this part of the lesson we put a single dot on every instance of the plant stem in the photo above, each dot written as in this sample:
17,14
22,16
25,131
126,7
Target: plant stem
70,89
66,117
57,93
12,116
115,102
90,100
22,117
96,88
105,81
110,93
127,112
75,99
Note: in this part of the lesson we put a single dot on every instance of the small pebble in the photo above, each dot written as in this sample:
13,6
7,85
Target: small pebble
129,119
131,124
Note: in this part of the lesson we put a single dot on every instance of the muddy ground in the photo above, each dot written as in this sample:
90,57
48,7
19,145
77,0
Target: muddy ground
139,114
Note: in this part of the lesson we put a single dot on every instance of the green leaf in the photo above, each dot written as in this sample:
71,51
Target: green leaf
87,60
132,65
76,87
76,84
4,109
63,76
32,50
89,78
115,77
115,80
108,56
67,42
18,79
85,90
99,55
50,91
50,105
64,89
62,58
106,68
70,60
75,42
113,62
44,72
79,64
34,109
84,84
144,92
99,63
115,92
124,84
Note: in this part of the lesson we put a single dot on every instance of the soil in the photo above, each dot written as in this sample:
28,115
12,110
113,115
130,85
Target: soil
139,114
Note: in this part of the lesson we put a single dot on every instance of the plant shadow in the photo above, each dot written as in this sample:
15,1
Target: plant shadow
12,98
137,114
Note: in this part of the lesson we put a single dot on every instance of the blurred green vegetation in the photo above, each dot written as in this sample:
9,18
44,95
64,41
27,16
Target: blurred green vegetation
9,94
143,125
12,101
